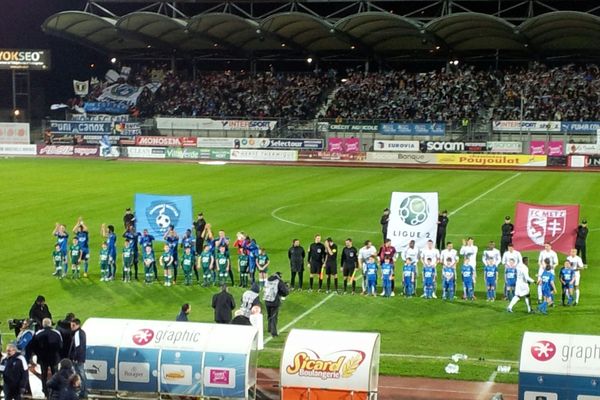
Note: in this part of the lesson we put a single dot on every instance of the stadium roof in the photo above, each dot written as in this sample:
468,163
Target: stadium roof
286,30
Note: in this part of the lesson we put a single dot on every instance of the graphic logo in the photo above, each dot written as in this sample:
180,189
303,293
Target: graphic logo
161,214
143,336
414,210
545,225
338,365
543,350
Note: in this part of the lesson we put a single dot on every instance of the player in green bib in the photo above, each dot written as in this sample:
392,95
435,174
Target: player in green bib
148,264
206,262
104,262
262,264
166,261
222,262
75,254
57,260
188,264
127,260
243,266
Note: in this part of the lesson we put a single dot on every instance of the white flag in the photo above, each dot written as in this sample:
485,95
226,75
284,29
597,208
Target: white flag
81,88
413,216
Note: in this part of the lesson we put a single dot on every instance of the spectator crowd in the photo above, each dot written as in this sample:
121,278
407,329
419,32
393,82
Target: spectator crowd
453,93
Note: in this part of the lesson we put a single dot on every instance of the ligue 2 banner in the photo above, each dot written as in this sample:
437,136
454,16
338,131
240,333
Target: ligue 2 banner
536,224
157,212
413,216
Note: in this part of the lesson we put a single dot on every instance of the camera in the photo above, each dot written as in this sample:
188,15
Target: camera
15,324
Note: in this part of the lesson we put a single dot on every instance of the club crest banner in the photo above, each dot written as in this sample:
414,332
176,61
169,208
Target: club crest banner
536,224
157,212
413,216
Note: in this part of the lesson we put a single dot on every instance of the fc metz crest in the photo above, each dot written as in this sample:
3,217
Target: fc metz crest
545,225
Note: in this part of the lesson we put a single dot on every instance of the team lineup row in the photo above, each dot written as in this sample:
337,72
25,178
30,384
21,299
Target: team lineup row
213,263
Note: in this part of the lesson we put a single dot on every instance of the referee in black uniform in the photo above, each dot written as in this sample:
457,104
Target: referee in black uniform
349,262
316,258
508,229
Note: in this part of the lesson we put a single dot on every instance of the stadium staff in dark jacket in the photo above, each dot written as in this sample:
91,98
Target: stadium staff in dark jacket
275,289
64,328
38,311
77,354
223,303
47,344
296,255
15,373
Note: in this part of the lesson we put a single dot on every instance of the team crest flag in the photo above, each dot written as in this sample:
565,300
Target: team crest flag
536,224
413,216
156,212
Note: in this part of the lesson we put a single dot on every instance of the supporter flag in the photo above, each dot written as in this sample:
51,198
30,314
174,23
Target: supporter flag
536,224
413,216
157,212
81,88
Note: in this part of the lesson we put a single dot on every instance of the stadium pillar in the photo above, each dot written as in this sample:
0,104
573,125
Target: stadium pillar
173,63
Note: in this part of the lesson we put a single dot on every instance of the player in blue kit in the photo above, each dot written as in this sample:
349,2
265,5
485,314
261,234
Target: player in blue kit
387,274
146,240
371,274
62,239
408,277
108,232
81,232
448,279
172,240
429,275
567,279
468,276
252,250
546,281
510,278
490,272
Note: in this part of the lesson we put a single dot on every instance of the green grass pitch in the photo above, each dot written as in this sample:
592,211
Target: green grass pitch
276,204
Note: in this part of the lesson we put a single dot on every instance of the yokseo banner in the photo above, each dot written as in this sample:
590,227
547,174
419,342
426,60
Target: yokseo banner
263,155
18,149
396,145
498,160
25,59
453,147
413,216
343,145
413,129
80,127
14,133
526,126
505,147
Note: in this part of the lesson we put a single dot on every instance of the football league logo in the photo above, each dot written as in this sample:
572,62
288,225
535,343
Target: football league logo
414,210
161,214
545,225
543,350
143,336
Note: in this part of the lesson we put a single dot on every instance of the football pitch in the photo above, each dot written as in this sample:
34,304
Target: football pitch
276,204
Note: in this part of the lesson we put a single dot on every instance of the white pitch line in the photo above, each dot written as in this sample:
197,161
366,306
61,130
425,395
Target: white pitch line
485,193
299,317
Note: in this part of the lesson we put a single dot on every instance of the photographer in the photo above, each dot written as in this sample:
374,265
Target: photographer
275,289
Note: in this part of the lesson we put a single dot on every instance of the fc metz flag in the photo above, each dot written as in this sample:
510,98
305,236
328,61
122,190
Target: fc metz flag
536,224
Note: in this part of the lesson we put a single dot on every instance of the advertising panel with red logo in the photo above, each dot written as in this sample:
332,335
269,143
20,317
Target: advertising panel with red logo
14,133
340,361
536,224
